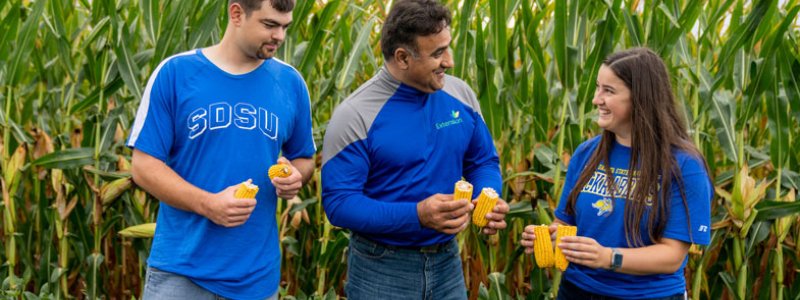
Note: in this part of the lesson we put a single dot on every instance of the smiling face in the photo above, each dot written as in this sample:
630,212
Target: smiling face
613,100
260,33
427,68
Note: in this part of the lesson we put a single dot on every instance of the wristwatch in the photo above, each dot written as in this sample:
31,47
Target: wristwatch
616,259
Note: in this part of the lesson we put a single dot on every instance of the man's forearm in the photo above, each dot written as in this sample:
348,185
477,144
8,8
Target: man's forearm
158,179
305,166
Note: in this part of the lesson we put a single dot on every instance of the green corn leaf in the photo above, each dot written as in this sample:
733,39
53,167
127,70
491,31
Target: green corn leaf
347,74
206,27
325,18
128,69
771,210
778,112
24,43
66,159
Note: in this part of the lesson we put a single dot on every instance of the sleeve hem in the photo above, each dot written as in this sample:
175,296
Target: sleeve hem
150,152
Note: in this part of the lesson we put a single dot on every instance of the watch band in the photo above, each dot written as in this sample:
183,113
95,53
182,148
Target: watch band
616,259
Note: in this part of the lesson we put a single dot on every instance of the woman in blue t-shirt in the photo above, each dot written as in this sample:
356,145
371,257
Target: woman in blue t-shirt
633,235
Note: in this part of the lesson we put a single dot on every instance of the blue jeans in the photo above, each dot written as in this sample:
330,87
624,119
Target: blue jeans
569,291
378,271
161,285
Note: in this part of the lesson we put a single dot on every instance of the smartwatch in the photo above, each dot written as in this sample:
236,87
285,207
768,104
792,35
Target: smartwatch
616,259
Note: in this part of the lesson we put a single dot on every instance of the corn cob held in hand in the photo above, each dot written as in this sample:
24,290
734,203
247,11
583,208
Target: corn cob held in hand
562,231
279,170
246,190
543,246
463,190
486,202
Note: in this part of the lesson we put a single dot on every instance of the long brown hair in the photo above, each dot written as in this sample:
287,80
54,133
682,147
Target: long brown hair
657,130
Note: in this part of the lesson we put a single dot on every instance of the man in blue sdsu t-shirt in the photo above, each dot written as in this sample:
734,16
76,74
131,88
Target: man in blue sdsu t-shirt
209,120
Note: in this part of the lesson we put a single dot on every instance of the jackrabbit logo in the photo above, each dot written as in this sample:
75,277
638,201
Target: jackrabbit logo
604,207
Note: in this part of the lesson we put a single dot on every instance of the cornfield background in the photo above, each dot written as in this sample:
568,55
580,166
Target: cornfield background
72,73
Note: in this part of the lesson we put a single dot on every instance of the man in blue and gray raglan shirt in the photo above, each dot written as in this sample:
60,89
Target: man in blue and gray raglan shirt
209,120
392,153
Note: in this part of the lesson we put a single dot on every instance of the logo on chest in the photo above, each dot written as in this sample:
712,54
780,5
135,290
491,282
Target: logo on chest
604,207
242,116
455,119
598,185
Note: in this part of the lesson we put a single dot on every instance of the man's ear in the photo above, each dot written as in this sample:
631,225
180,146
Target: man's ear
401,57
236,13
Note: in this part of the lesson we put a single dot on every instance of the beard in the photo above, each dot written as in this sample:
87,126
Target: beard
264,53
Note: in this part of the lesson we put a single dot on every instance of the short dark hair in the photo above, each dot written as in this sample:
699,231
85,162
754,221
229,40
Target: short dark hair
409,19
249,6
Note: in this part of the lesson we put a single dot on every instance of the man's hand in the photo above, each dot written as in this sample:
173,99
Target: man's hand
496,217
444,214
288,187
226,210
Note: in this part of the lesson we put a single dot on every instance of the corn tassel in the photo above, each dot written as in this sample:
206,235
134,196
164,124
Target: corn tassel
246,190
543,247
486,202
463,190
279,170
562,231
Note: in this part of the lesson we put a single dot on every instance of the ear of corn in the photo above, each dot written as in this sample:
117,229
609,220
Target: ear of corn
486,202
562,231
543,247
246,190
463,190
279,170
146,230
111,190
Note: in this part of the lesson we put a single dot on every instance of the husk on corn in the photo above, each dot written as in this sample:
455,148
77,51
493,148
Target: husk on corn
146,230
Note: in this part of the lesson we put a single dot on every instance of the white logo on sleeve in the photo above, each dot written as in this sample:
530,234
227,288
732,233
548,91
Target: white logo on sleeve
243,116
703,228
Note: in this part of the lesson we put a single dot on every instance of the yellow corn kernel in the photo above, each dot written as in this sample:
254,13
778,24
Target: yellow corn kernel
562,231
543,247
463,190
486,202
246,190
279,170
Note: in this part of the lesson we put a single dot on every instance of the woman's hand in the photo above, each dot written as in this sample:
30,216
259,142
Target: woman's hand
585,251
529,237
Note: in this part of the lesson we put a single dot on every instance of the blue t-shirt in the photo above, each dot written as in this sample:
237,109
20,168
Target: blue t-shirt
216,129
389,146
599,217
